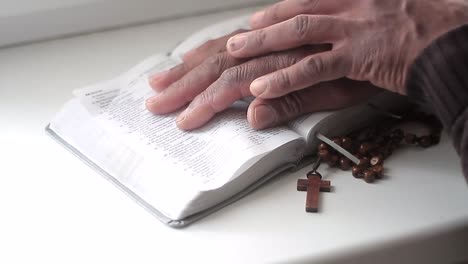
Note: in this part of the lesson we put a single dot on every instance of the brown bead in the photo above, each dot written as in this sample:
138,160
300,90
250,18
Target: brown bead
374,152
333,160
376,160
364,148
357,171
345,164
435,138
397,136
347,143
358,155
364,162
369,176
379,139
397,133
378,152
410,138
322,146
337,140
324,155
425,141
378,169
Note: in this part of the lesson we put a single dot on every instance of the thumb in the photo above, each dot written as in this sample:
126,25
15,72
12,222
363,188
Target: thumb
265,113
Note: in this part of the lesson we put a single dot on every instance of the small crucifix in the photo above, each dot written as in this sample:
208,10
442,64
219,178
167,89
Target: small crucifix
313,185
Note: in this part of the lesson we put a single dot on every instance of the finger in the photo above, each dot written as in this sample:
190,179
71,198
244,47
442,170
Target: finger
191,59
285,10
196,56
265,113
295,32
234,84
311,70
190,85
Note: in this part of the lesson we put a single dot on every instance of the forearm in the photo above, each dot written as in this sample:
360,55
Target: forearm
439,78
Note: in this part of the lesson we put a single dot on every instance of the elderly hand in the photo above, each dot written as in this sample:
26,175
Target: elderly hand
210,80
372,40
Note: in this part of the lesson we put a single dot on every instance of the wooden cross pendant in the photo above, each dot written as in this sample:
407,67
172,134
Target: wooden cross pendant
313,185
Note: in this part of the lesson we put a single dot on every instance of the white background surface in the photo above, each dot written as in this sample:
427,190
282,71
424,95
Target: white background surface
30,20
54,209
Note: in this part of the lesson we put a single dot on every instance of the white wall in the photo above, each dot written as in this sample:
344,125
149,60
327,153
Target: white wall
30,20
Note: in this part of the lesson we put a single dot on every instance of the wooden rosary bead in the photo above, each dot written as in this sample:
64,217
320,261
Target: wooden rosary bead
324,155
376,160
364,148
369,176
372,133
333,160
357,171
425,141
345,164
375,144
397,136
375,152
379,152
379,140
358,155
410,138
322,146
378,169
435,138
364,162
347,143
397,133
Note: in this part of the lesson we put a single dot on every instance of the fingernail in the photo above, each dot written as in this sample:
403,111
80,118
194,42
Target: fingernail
236,43
153,80
256,18
258,87
181,117
264,116
152,100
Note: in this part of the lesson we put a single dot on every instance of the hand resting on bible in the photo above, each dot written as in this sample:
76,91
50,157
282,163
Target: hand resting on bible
210,80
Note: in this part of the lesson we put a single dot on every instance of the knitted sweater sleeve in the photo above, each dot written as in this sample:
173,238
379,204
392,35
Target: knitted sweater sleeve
439,78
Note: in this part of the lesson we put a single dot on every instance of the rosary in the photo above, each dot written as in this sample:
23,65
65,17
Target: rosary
365,151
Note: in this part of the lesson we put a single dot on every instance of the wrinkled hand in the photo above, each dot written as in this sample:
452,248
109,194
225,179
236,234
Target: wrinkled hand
372,40
210,80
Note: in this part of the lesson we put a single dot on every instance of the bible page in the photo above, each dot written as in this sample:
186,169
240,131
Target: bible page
199,155
174,165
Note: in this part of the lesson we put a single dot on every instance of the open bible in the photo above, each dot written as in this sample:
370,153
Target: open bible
182,176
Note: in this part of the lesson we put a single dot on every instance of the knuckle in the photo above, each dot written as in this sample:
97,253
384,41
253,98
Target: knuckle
284,81
232,75
186,94
301,24
216,63
286,60
313,66
292,104
260,37
207,97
